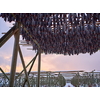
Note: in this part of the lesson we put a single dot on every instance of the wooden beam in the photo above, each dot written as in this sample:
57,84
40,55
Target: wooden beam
14,59
26,67
30,68
26,44
29,48
23,63
39,66
4,38
4,73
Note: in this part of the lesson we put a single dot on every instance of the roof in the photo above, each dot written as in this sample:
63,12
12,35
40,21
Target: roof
60,33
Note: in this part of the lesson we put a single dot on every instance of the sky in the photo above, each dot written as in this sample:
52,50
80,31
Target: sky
49,62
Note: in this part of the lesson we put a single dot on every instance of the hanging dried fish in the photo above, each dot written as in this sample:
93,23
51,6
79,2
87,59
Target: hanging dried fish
60,33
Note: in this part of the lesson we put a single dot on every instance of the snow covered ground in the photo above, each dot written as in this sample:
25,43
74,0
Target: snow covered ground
69,85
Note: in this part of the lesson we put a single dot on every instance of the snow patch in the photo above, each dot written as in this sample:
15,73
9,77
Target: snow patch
69,85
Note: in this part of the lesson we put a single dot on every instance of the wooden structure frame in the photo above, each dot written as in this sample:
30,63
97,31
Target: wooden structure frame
16,32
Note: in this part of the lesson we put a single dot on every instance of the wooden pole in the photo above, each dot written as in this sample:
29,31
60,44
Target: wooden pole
32,63
14,59
23,63
4,73
78,79
30,68
39,66
7,35
25,67
49,80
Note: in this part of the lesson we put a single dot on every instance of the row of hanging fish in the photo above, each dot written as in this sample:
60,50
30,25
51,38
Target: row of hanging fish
60,33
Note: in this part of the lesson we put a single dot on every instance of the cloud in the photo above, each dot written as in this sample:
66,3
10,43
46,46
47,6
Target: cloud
80,62
5,68
55,62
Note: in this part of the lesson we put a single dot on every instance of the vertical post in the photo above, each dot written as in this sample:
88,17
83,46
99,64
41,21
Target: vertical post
78,79
14,59
47,81
39,65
